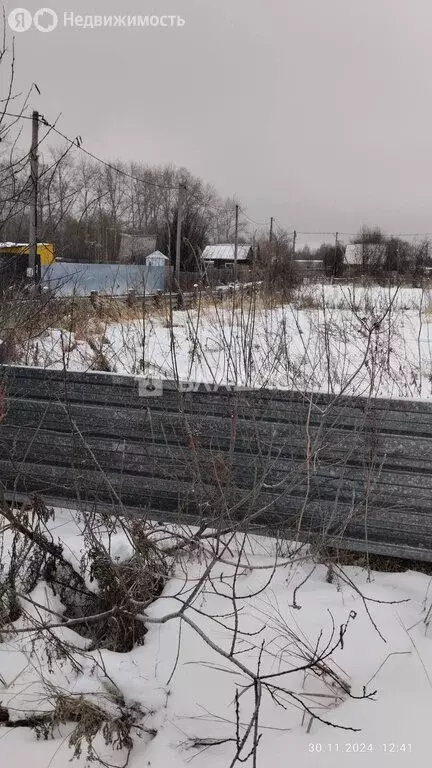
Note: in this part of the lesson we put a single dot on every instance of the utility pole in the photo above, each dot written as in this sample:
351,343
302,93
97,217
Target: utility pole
34,175
236,241
335,258
294,243
271,230
180,208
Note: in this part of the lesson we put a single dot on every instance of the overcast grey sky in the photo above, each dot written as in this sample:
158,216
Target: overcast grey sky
318,112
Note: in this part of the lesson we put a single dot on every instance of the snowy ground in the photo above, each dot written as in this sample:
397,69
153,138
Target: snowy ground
188,690
371,341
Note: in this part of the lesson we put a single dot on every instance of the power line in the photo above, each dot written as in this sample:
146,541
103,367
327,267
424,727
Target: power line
258,223
284,230
311,234
18,117
77,142
207,204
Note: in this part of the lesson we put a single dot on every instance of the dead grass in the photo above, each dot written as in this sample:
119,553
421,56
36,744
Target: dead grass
376,562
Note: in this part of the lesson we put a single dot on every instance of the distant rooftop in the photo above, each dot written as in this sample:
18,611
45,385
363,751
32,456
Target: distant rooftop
19,245
226,252
158,255
357,254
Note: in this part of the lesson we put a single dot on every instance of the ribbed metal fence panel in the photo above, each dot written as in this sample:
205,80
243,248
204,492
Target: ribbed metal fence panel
344,472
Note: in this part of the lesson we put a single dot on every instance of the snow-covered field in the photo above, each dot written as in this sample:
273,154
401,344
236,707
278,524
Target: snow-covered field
258,641
342,339
275,607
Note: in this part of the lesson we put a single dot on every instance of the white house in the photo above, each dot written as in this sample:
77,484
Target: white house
157,259
365,254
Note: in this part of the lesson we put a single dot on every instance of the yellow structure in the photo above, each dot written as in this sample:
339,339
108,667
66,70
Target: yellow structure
44,250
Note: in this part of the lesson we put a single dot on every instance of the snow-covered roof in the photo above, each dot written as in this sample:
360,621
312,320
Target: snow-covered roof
226,252
158,255
313,262
18,245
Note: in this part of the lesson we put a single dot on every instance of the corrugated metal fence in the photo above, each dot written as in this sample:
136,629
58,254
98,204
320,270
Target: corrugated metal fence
80,279
348,472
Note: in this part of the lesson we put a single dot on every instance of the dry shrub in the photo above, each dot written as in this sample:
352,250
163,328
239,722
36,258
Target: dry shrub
305,299
24,318
374,562
34,557
91,720
280,277
113,721
142,578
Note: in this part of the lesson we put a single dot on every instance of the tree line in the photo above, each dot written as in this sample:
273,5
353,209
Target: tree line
86,206
380,254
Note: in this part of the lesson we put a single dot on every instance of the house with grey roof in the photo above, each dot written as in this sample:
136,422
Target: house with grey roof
223,255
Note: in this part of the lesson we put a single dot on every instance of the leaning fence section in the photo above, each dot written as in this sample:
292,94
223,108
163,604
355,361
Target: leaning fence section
340,472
